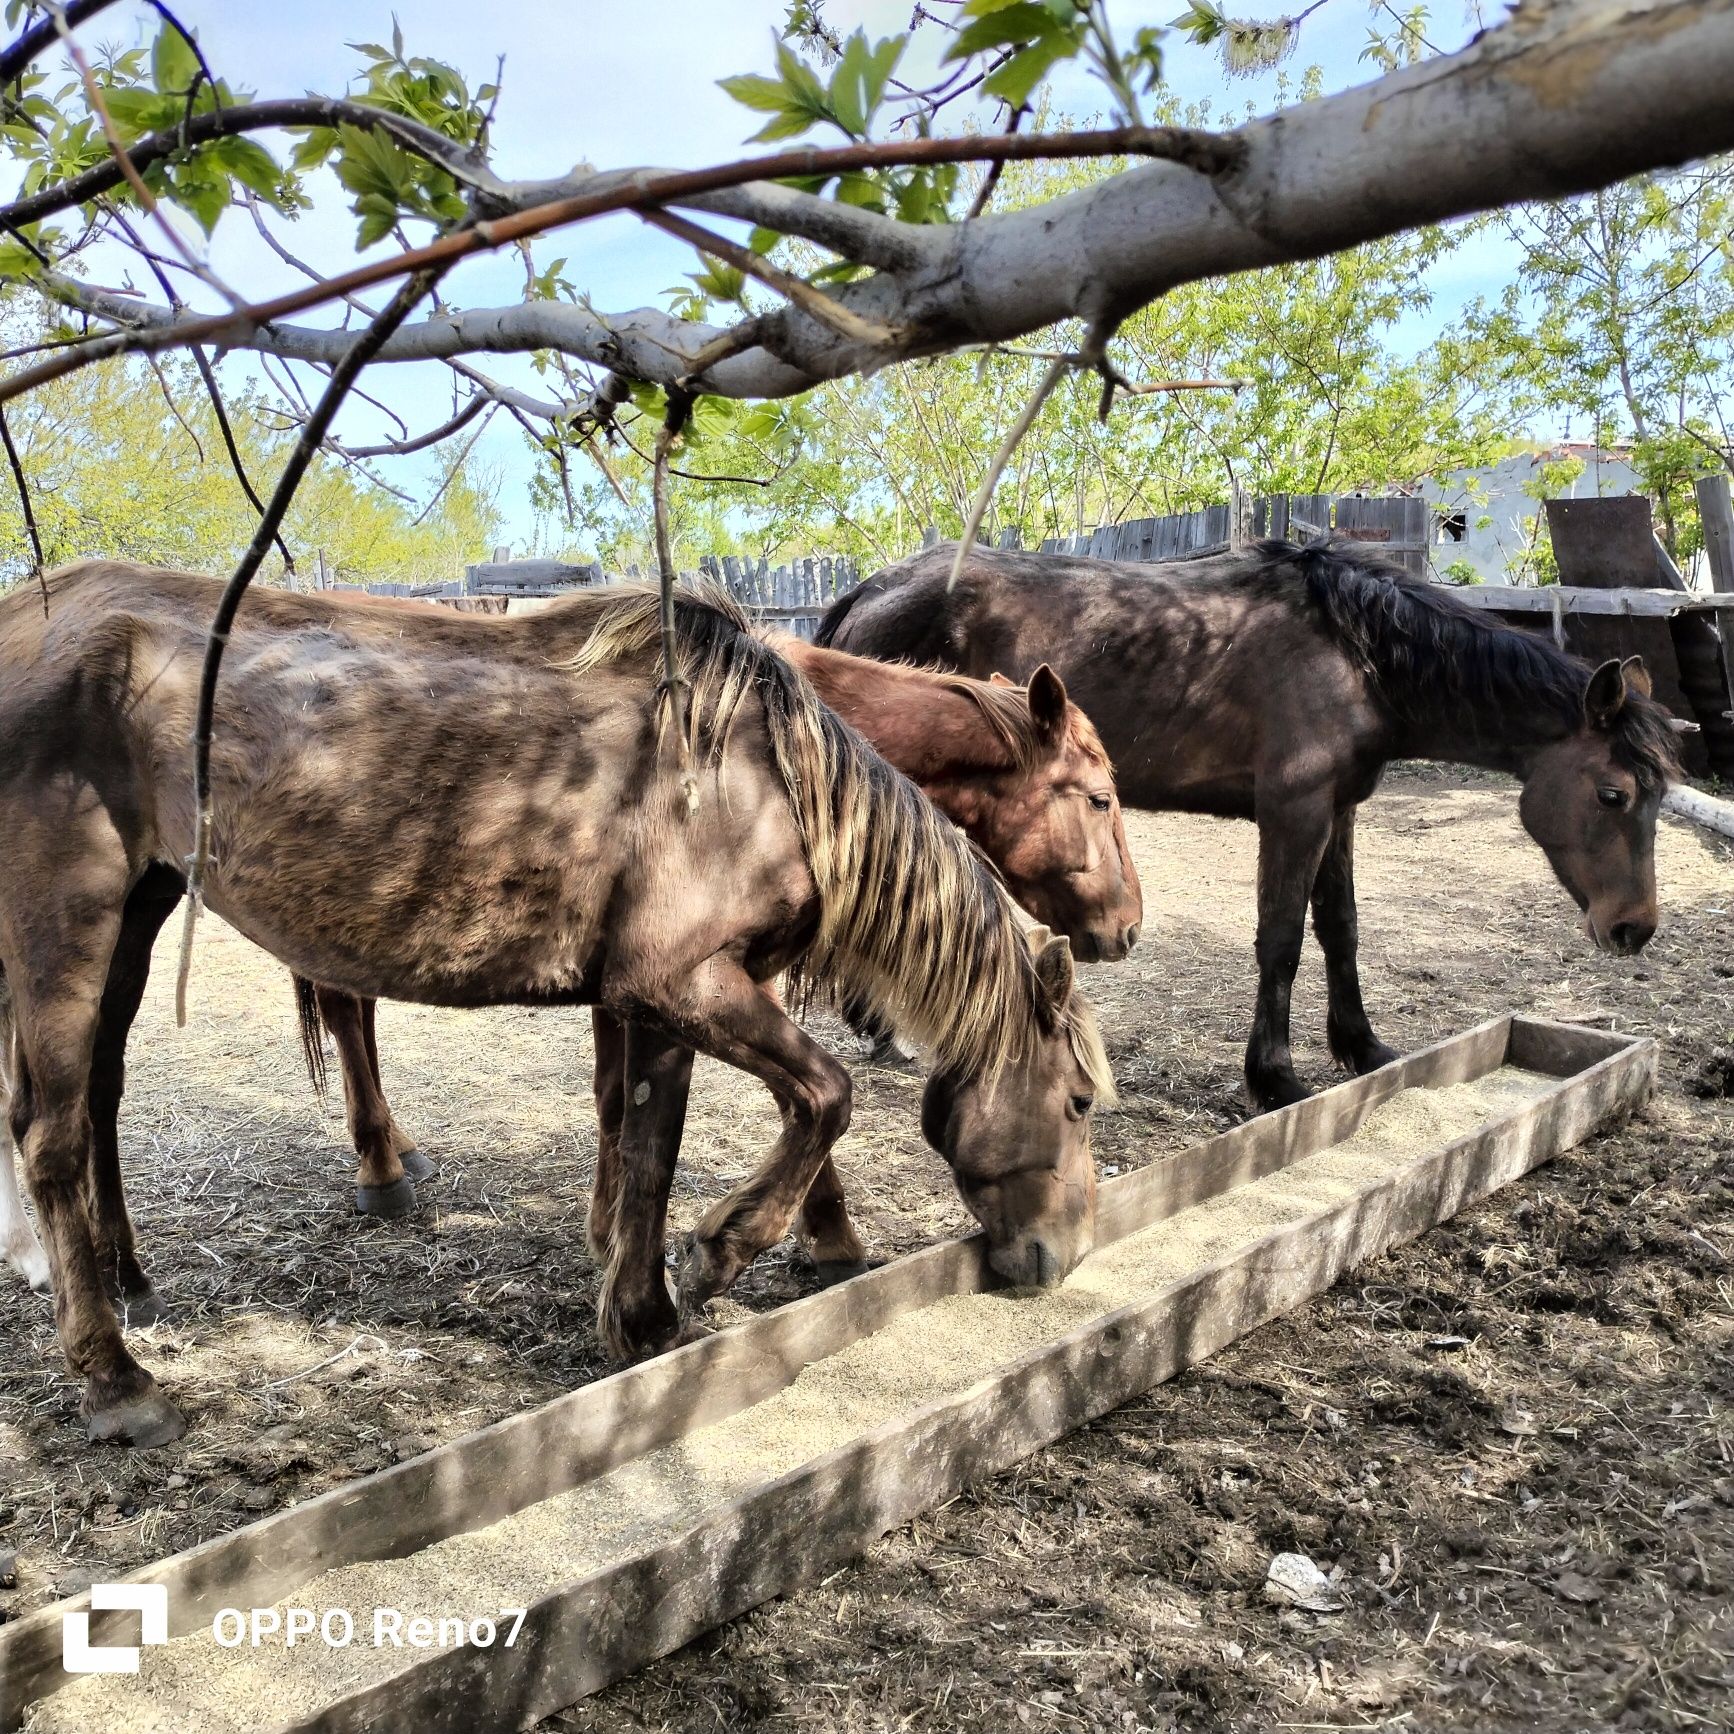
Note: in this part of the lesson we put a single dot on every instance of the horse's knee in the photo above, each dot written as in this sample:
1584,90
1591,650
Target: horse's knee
830,1103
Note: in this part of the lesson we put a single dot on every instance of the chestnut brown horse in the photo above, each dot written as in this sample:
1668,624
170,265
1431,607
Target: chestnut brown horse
465,810
1021,769
1276,684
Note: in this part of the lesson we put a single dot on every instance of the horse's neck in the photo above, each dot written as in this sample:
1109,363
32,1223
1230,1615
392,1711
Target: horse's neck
915,719
1477,729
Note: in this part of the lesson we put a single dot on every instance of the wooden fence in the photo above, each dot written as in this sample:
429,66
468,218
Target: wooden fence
1399,523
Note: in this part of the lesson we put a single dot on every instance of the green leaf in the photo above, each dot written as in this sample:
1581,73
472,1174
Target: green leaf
1020,75
1023,21
313,150
858,84
378,215
250,164
753,90
174,65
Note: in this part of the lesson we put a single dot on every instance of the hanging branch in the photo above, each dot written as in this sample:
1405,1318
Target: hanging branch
312,437
208,374
1057,370
672,688
29,511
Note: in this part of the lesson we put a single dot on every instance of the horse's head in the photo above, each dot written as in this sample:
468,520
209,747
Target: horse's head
1019,1145
1591,798
1054,827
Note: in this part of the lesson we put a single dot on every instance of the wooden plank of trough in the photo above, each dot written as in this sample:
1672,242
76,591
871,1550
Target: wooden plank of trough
794,1530
484,1476
1272,1141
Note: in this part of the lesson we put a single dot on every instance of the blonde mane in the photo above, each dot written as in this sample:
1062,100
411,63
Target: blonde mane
912,918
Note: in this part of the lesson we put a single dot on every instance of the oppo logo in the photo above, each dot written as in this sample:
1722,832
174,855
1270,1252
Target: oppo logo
79,1655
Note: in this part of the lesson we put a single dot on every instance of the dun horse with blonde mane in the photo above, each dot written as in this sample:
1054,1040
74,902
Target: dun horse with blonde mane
468,811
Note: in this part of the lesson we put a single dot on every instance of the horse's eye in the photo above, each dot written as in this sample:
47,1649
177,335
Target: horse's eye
1079,1106
1101,802
1610,797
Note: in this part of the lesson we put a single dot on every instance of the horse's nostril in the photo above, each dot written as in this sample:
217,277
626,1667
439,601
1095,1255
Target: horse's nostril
1047,1266
1131,936
1631,936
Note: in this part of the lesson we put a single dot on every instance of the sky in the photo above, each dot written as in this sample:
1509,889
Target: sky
612,86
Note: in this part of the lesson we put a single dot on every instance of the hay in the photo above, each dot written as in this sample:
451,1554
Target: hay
938,1351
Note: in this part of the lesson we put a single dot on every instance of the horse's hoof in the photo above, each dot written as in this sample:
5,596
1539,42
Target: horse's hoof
397,1199
699,1278
1376,1056
828,1272
1276,1092
135,1311
141,1422
418,1166
32,1264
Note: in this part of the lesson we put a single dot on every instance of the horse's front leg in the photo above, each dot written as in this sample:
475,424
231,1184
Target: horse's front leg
1292,834
1353,1043
383,1184
634,1311
729,1015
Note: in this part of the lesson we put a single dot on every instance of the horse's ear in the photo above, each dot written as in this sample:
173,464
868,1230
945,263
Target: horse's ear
1048,700
998,679
1054,971
1637,677
1605,695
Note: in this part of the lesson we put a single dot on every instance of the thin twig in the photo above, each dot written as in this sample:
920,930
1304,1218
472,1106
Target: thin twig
29,511
452,473
1057,370
208,374
842,320
995,169
402,448
306,449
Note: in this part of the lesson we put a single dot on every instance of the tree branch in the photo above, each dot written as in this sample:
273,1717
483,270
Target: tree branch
1559,99
237,118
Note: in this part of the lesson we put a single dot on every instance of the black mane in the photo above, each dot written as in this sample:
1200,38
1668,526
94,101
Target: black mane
1425,650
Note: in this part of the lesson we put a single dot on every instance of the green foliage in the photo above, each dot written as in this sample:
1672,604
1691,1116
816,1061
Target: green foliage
388,182
114,473
1626,324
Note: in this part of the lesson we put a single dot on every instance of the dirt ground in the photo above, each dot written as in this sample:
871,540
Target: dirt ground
1512,1441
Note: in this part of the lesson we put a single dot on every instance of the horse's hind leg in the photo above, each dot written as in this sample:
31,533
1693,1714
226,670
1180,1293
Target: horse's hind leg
147,908
19,1246
58,974
634,1310
414,1163
1291,842
1353,1043
382,1185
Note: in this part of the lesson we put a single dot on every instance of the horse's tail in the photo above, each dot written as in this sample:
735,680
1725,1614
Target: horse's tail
312,1033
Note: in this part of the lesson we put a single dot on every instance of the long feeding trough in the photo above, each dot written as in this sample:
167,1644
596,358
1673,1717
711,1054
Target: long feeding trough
631,1515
